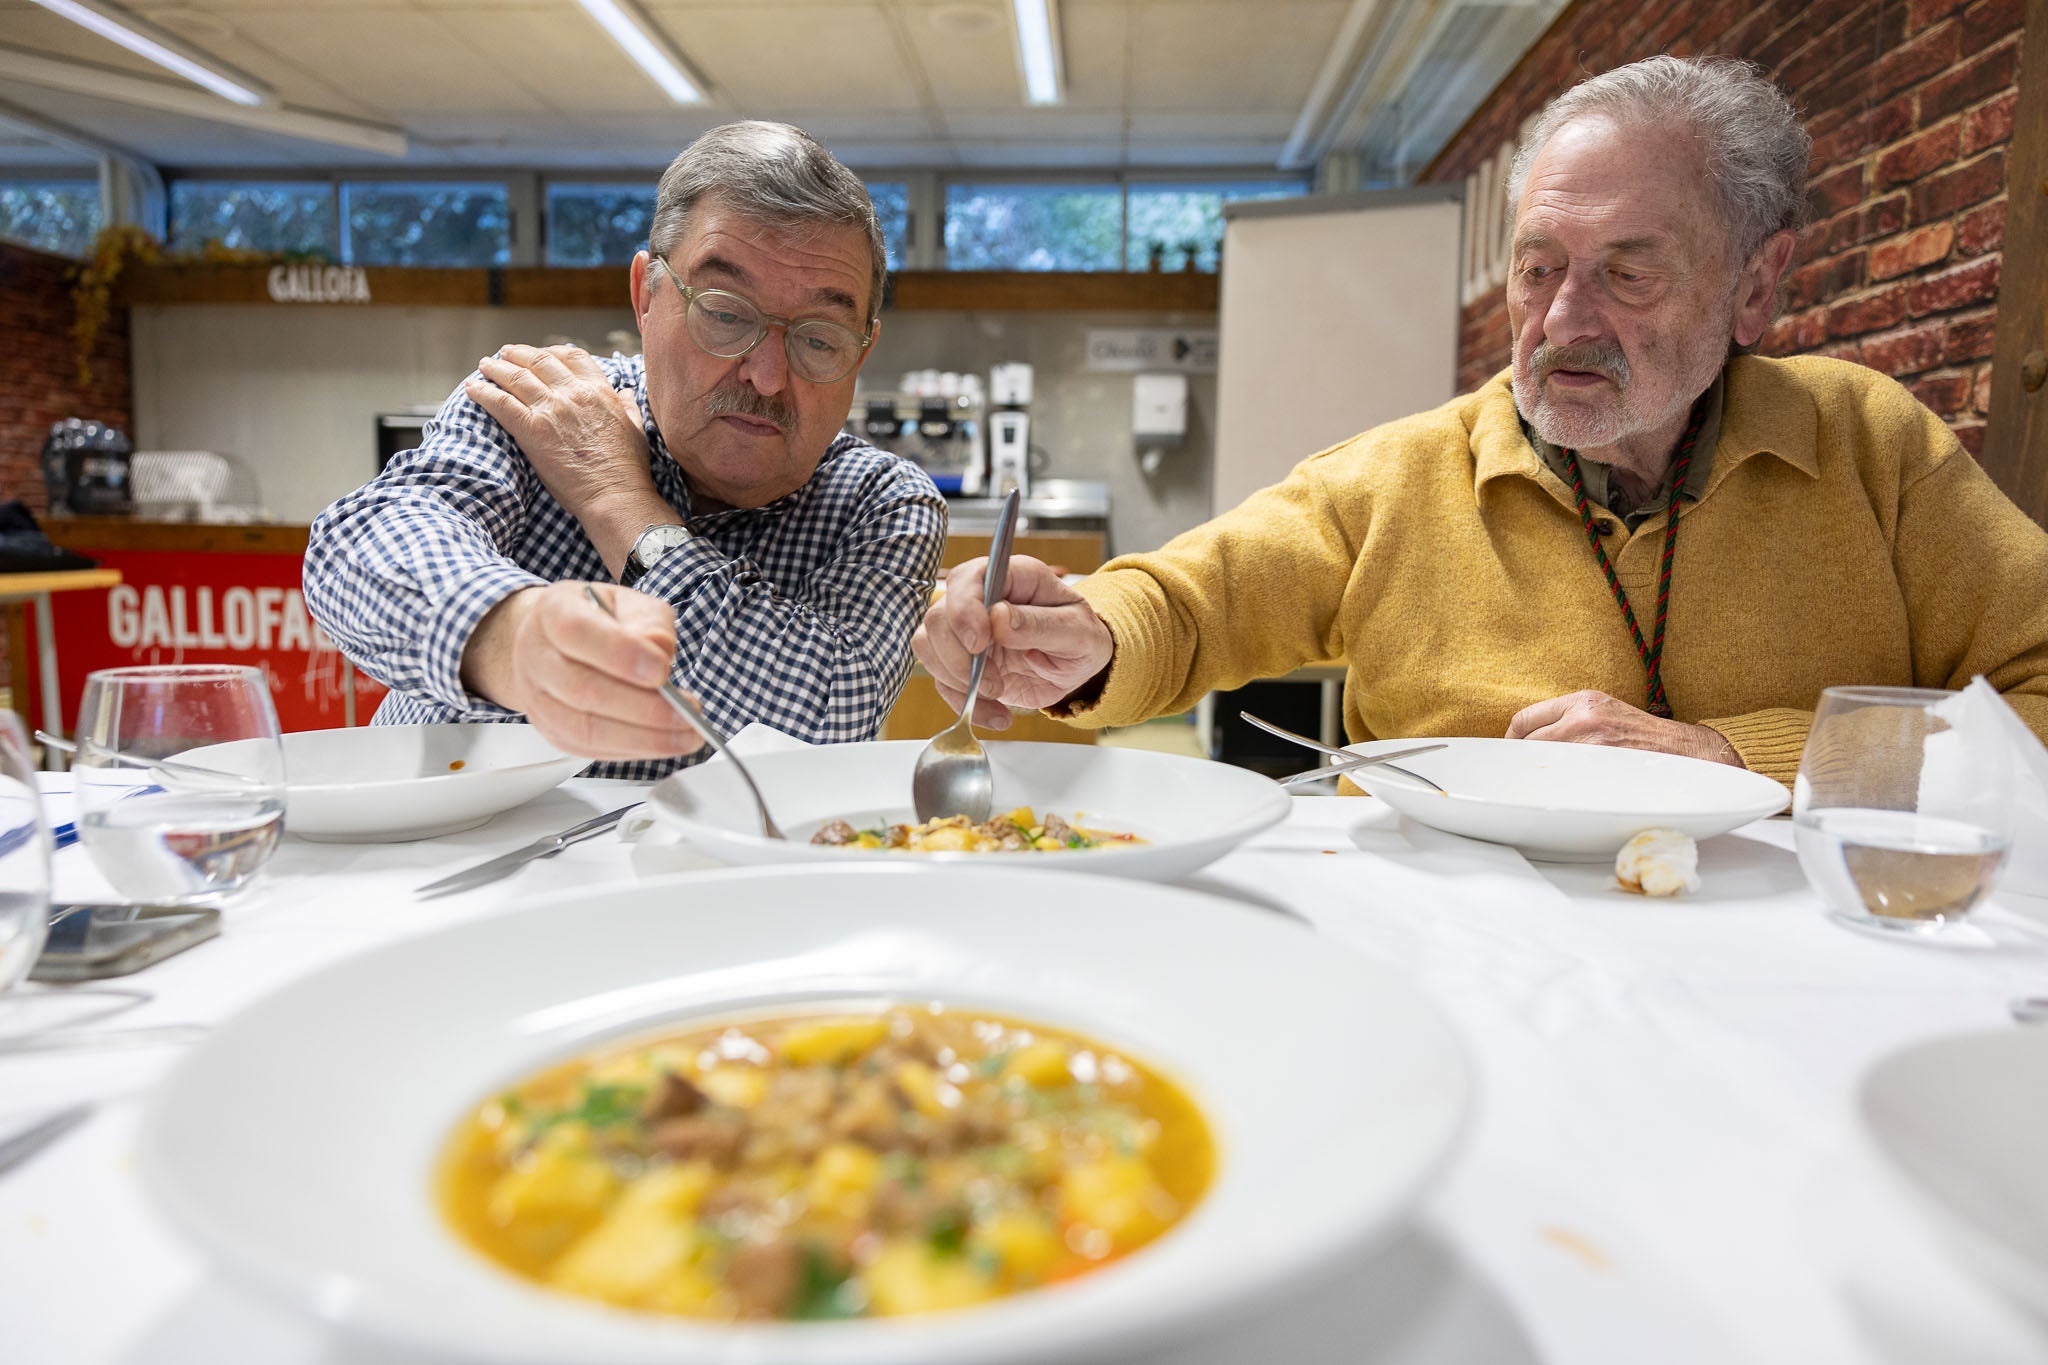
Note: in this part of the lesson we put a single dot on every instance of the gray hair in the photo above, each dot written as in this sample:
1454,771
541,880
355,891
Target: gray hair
772,174
1756,152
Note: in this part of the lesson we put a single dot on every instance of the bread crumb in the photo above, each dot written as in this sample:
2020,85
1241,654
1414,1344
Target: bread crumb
1658,862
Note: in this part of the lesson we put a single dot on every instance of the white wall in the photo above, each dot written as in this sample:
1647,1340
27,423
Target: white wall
1082,419
290,391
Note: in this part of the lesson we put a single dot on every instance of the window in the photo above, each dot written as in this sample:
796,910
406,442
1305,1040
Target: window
597,224
1034,227
892,205
51,215
1175,217
416,222
292,218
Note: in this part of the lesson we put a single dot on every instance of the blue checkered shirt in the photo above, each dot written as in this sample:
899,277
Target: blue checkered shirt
797,614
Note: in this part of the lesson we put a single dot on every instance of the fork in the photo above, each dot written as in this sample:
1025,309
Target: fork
1347,760
693,713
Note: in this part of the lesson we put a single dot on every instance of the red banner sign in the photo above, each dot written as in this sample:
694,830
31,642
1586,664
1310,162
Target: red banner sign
210,608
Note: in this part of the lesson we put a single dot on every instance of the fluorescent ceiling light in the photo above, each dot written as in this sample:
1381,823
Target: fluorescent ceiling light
644,43
1038,51
146,40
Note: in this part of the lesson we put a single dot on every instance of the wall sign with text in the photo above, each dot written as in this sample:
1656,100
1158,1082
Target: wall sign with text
1190,350
211,608
318,284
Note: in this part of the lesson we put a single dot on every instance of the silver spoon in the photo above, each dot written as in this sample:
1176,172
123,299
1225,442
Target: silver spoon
88,749
1348,758
693,713
952,775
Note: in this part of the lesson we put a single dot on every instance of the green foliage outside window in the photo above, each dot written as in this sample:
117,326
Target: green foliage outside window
1178,216
597,224
51,215
892,206
1034,227
272,217
409,222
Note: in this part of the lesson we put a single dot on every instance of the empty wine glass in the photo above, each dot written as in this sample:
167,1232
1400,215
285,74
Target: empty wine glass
196,830
1900,826
24,857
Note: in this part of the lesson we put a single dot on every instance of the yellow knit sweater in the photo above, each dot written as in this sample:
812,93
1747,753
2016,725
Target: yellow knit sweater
1844,536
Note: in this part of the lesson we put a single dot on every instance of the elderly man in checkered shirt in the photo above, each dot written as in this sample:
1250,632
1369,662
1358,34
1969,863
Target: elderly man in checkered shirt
765,561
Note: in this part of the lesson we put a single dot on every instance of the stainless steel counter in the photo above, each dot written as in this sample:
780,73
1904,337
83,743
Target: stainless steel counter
1053,505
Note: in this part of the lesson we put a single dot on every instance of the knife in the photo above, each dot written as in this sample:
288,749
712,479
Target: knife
505,864
32,1139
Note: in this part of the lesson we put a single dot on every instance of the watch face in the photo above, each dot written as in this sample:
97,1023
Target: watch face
657,541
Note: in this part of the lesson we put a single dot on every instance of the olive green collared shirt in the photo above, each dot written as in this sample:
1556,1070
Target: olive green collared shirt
1605,491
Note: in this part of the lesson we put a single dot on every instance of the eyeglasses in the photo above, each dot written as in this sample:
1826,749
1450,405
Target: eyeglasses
729,325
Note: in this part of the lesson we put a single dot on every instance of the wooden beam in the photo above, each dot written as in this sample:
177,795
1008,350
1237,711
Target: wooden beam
1054,291
605,287
88,534
2016,436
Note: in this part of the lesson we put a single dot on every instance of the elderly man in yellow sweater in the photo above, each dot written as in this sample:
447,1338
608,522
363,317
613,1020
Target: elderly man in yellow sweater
1638,535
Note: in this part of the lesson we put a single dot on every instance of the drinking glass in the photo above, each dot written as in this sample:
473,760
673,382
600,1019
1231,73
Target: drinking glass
24,857
179,780
1901,827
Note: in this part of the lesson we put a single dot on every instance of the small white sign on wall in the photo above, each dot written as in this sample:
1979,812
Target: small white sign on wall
1130,349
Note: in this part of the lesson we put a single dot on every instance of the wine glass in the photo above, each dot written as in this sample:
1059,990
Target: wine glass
24,857
1900,826
179,780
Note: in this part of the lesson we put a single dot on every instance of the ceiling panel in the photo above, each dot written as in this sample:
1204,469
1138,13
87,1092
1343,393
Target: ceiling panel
1093,42
767,56
1229,57
553,53
397,62
968,54
35,28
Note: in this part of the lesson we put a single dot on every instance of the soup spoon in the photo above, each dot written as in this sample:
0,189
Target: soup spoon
687,706
952,775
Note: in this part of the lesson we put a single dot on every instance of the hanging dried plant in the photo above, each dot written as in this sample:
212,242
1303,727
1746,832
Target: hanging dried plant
92,293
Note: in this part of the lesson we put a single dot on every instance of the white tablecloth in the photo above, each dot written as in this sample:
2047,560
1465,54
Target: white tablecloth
1664,1166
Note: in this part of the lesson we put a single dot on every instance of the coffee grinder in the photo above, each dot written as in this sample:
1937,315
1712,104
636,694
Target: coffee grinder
1009,430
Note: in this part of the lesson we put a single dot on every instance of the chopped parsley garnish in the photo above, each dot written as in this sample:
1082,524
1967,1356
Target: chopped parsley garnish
820,1289
946,1234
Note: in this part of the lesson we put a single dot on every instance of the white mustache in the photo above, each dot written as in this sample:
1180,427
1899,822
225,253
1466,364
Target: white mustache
1608,361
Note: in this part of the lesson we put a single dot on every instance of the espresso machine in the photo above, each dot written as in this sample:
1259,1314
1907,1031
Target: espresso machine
932,419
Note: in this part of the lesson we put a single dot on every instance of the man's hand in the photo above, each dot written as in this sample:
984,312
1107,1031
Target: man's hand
1596,718
582,436
1047,640
586,681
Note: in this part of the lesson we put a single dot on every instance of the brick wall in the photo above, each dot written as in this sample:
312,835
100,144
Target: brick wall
39,367
1910,104
39,373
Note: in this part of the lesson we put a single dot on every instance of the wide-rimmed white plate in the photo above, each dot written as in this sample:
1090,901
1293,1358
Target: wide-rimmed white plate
1189,811
1961,1119
388,783
296,1145
1569,802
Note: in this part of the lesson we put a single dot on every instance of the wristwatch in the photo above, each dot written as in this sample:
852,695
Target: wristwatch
652,543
